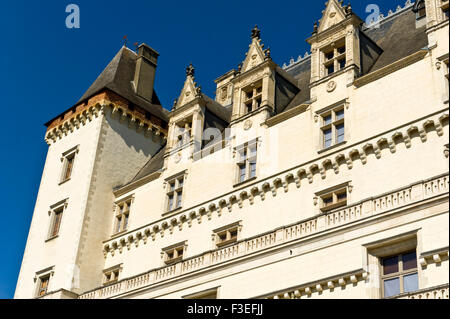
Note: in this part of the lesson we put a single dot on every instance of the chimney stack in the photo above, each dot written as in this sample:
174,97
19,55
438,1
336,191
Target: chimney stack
144,75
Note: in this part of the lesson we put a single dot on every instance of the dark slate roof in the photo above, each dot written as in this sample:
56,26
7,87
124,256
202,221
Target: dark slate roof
153,165
117,77
222,112
302,73
398,37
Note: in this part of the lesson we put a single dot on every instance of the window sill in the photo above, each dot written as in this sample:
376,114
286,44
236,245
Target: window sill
51,238
226,243
245,182
64,181
173,211
331,147
115,235
333,206
173,261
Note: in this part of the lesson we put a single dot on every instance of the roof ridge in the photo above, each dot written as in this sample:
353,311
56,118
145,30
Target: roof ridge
390,15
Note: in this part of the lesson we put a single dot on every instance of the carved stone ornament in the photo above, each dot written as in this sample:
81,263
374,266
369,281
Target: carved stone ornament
177,158
248,125
331,86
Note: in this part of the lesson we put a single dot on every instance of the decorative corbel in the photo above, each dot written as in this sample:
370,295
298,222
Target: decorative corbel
147,234
353,279
173,223
319,288
182,220
130,241
330,285
164,226
342,282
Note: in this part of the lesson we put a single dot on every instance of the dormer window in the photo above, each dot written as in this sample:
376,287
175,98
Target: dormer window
421,10
183,132
252,97
335,59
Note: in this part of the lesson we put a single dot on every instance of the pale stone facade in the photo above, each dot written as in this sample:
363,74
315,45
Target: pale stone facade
295,182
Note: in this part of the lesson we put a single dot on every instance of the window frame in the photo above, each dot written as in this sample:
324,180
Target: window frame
247,157
47,274
174,250
400,274
227,230
174,193
332,126
67,156
336,57
122,212
56,210
333,193
114,273
255,100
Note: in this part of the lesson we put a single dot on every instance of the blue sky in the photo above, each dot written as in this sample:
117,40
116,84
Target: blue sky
46,68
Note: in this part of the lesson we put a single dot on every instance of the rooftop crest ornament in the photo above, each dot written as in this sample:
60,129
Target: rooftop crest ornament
256,33
190,70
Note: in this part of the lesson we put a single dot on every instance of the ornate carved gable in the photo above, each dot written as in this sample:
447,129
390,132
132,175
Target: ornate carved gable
255,55
333,14
190,89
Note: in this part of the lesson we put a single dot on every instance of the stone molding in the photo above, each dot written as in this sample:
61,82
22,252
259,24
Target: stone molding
305,172
330,221
391,68
318,286
436,292
135,120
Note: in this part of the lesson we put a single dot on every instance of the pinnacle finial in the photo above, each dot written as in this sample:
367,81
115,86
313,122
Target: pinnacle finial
256,33
349,10
316,28
190,70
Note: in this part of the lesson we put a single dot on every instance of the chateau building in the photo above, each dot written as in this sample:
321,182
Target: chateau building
324,178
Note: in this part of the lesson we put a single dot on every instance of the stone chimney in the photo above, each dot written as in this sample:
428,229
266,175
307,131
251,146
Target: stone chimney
144,75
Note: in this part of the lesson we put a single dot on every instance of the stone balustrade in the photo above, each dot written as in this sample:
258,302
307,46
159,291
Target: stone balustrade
327,221
439,292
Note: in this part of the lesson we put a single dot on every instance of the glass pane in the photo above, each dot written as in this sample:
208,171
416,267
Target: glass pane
391,287
341,50
329,55
327,120
390,265
340,131
180,183
327,137
327,201
339,115
410,283
125,222
172,186
242,173
330,69
341,197
409,261
252,170
170,202
342,64
118,222
179,198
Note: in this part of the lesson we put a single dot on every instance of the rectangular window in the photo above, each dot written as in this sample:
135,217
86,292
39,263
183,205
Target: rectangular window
333,128
174,253
56,214
247,161
227,235
111,275
399,274
333,198
57,221
43,285
175,193
68,160
334,58
252,96
122,215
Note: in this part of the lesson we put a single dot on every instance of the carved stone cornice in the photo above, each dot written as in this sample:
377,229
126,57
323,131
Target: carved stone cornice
391,68
345,156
